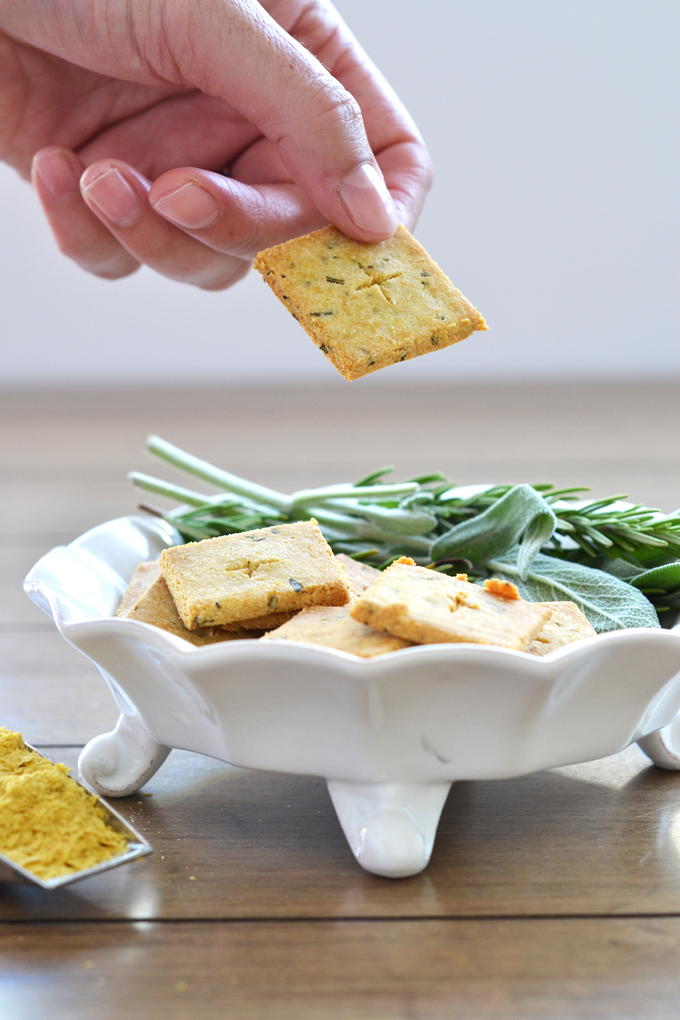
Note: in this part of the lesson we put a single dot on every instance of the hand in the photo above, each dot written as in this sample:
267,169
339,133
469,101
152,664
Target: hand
255,122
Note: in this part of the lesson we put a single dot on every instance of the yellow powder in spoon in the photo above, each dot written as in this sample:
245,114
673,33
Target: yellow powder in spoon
49,824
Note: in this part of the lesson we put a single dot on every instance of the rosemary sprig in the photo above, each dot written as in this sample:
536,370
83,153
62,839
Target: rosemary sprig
413,514
431,520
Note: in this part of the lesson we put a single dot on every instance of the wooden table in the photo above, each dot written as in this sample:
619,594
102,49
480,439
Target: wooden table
551,895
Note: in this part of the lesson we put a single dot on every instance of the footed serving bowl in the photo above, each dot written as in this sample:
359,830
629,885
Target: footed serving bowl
389,734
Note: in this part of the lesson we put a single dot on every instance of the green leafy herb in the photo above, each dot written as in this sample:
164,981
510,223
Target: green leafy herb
607,602
661,585
621,564
521,513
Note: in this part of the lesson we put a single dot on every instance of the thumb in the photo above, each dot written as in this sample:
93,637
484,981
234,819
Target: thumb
241,55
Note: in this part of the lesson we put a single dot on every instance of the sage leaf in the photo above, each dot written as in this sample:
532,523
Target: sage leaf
396,521
606,601
665,578
538,532
619,568
520,512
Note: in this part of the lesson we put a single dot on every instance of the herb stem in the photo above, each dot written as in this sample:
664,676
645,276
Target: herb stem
167,489
215,476
332,492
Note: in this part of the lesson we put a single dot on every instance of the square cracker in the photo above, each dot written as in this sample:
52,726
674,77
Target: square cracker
143,577
155,606
566,624
367,306
427,607
361,575
254,573
269,622
333,627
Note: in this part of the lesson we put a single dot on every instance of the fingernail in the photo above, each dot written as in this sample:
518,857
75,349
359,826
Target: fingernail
189,206
115,198
365,196
57,174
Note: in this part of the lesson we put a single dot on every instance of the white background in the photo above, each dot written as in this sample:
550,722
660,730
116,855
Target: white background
554,132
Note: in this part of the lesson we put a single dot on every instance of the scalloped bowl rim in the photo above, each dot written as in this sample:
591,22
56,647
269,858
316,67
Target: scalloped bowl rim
546,676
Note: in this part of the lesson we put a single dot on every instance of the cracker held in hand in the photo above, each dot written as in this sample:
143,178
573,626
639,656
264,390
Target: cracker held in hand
427,607
333,627
253,573
367,306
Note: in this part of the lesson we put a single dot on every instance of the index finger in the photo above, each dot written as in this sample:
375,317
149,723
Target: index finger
240,54
392,134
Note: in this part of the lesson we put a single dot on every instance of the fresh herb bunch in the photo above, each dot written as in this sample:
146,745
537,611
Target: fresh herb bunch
620,564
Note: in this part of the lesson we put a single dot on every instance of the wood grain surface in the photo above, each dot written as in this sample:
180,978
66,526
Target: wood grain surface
353,970
551,895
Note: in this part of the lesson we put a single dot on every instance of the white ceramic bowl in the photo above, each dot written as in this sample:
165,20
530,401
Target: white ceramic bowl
389,734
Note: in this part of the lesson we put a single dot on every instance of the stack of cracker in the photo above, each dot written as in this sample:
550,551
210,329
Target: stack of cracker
407,605
284,584
335,627
237,586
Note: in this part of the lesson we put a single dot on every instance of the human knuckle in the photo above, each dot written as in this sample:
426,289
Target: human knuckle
333,104
225,277
249,239
112,269
71,247
111,265
426,171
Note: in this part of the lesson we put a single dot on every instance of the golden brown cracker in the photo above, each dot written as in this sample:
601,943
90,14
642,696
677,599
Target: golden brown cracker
367,306
270,622
361,576
144,576
567,624
253,573
333,627
427,607
155,606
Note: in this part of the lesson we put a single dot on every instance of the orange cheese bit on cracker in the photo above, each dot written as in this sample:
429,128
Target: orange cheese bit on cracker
506,589
427,607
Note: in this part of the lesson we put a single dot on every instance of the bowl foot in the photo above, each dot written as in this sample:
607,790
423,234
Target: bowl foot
119,763
663,746
389,826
